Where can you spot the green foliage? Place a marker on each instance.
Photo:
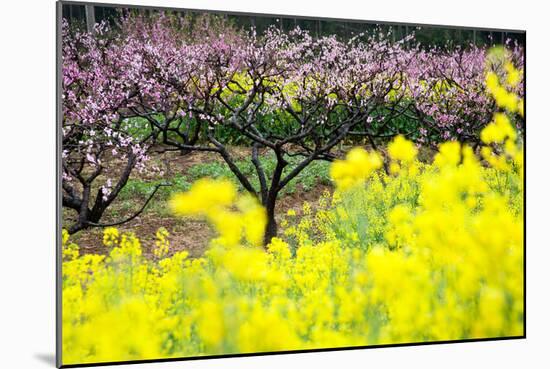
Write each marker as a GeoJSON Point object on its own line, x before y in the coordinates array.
{"type": "Point", "coordinates": [394, 123]}
{"type": "Point", "coordinates": [316, 172]}
{"type": "Point", "coordinates": [138, 189]}
{"type": "Point", "coordinates": [136, 127]}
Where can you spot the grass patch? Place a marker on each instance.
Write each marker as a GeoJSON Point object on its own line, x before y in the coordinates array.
{"type": "Point", "coordinates": [137, 190]}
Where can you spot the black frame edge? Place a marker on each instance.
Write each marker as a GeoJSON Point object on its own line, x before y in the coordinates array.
{"type": "Point", "coordinates": [58, 210]}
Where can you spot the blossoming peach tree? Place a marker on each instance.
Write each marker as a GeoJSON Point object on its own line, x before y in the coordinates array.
{"type": "Point", "coordinates": [97, 90]}
{"type": "Point", "coordinates": [286, 93]}
{"type": "Point", "coordinates": [448, 88]}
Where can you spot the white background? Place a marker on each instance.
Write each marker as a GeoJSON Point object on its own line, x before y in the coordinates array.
{"type": "Point", "coordinates": [27, 182]}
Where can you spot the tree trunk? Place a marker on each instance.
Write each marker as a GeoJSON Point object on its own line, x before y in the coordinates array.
{"type": "Point", "coordinates": [271, 226]}
{"type": "Point", "coordinates": [271, 199]}
{"type": "Point", "coordinates": [76, 227]}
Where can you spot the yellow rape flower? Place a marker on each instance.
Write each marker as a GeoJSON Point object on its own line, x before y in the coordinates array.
{"type": "Point", "coordinates": [233, 216]}
{"type": "Point", "coordinates": [355, 169]}
{"type": "Point", "coordinates": [513, 75]}
{"type": "Point", "coordinates": [254, 218]}
{"type": "Point", "coordinates": [110, 236]}
{"type": "Point", "coordinates": [161, 243]}
{"type": "Point", "coordinates": [204, 196]}
{"type": "Point", "coordinates": [402, 149]}
{"type": "Point", "coordinates": [498, 130]}
{"type": "Point", "coordinates": [449, 154]}
{"type": "Point", "coordinates": [279, 248]}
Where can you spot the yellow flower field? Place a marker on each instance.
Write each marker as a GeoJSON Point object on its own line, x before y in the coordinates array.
{"type": "Point", "coordinates": [434, 252]}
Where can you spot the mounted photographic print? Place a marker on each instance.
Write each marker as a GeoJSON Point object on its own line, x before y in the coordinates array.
{"type": "Point", "coordinates": [239, 184]}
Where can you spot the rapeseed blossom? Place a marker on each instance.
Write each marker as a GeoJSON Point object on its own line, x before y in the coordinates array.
{"type": "Point", "coordinates": [402, 149]}
{"type": "Point", "coordinates": [355, 169]}
{"type": "Point", "coordinates": [205, 197]}
{"type": "Point", "coordinates": [162, 244]}
{"type": "Point", "coordinates": [498, 130]}
{"type": "Point", "coordinates": [234, 215]}
{"type": "Point", "coordinates": [412, 260]}
{"type": "Point", "coordinates": [110, 236]}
